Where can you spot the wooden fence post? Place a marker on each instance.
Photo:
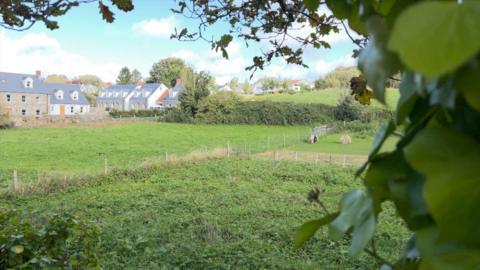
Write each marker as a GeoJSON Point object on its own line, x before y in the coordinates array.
{"type": "Point", "coordinates": [296, 156]}
{"type": "Point", "coordinates": [316, 159]}
{"type": "Point", "coordinates": [284, 141]}
{"type": "Point", "coordinates": [330, 159]}
{"type": "Point", "coordinates": [228, 149]}
{"type": "Point", "coordinates": [166, 155]}
{"type": "Point", "coordinates": [344, 160]}
{"type": "Point", "coordinates": [276, 155]}
{"type": "Point", "coordinates": [268, 143]}
{"type": "Point", "coordinates": [16, 186]}
{"type": "Point", "coordinates": [105, 165]}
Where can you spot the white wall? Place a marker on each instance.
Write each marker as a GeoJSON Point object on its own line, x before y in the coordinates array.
{"type": "Point", "coordinates": [152, 99]}
{"type": "Point", "coordinates": [77, 109]}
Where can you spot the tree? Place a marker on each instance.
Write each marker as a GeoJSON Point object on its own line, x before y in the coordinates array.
{"type": "Point", "coordinates": [136, 76]}
{"type": "Point", "coordinates": [124, 77]}
{"type": "Point", "coordinates": [233, 84]}
{"type": "Point", "coordinates": [90, 79]}
{"type": "Point", "coordinates": [197, 87]}
{"type": "Point", "coordinates": [57, 78]}
{"type": "Point", "coordinates": [22, 15]}
{"type": "Point", "coordinates": [167, 71]}
{"type": "Point", "coordinates": [431, 177]}
{"type": "Point", "coordinates": [247, 88]}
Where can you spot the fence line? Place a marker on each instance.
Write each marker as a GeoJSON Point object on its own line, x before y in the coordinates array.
{"type": "Point", "coordinates": [272, 147]}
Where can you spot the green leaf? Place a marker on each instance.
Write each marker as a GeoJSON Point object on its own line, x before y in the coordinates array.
{"type": "Point", "coordinates": [436, 37]}
{"type": "Point", "coordinates": [466, 259]}
{"type": "Point", "coordinates": [308, 229]}
{"type": "Point", "coordinates": [340, 8]}
{"type": "Point", "coordinates": [450, 162]}
{"type": "Point", "coordinates": [382, 134]}
{"type": "Point", "coordinates": [17, 249]}
{"type": "Point", "coordinates": [356, 212]}
{"type": "Point", "coordinates": [466, 82]}
{"type": "Point", "coordinates": [384, 7]}
{"type": "Point", "coordinates": [311, 5]}
{"type": "Point", "coordinates": [443, 95]}
{"type": "Point", "coordinates": [389, 177]}
{"type": "Point", "coordinates": [349, 207]}
{"type": "Point", "coordinates": [364, 228]}
{"type": "Point", "coordinates": [407, 97]}
{"type": "Point", "coordinates": [355, 22]}
{"type": "Point", "coordinates": [374, 61]}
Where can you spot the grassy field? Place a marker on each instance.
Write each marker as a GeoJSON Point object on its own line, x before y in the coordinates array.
{"type": "Point", "coordinates": [327, 96]}
{"type": "Point", "coordinates": [76, 149]}
{"type": "Point", "coordinates": [214, 214]}
{"type": "Point", "coordinates": [360, 145]}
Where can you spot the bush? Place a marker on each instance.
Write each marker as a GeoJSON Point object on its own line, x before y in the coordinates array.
{"type": "Point", "coordinates": [218, 109]}
{"type": "Point", "coordinates": [62, 243]}
{"type": "Point", "coordinates": [348, 109]}
{"type": "Point", "coordinates": [175, 115]}
{"type": "Point", "coordinates": [140, 113]}
{"type": "Point", "coordinates": [5, 123]}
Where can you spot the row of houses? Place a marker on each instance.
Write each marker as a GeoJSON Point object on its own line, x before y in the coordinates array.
{"type": "Point", "coordinates": [140, 96]}
{"type": "Point", "coordinates": [30, 95]}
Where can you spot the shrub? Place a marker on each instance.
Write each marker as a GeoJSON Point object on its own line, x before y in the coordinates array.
{"type": "Point", "coordinates": [349, 110]}
{"type": "Point", "coordinates": [5, 123]}
{"type": "Point", "coordinates": [62, 243]}
{"type": "Point", "coordinates": [140, 113]}
{"type": "Point", "coordinates": [176, 115]}
{"type": "Point", "coordinates": [218, 109]}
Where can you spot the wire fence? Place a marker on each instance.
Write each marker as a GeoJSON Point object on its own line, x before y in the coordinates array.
{"type": "Point", "coordinates": [274, 148]}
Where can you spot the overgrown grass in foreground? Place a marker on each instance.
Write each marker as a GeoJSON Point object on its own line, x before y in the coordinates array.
{"type": "Point", "coordinates": [215, 214]}
{"type": "Point", "coordinates": [326, 96]}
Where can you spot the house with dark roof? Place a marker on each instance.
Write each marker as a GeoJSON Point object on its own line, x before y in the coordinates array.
{"type": "Point", "coordinates": [66, 99]}
{"type": "Point", "coordinates": [173, 98]}
{"type": "Point", "coordinates": [146, 96]}
{"type": "Point", "coordinates": [29, 95]}
{"type": "Point", "coordinates": [116, 97]}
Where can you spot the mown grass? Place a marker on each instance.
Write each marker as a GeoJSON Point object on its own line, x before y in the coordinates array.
{"type": "Point", "coordinates": [327, 96]}
{"type": "Point", "coordinates": [77, 149]}
{"type": "Point", "coordinates": [215, 214]}
{"type": "Point", "coordinates": [361, 144]}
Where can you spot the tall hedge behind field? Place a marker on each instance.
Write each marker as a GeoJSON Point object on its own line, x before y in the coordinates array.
{"type": "Point", "coordinates": [278, 113]}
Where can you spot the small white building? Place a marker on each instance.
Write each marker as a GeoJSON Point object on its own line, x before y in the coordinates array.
{"type": "Point", "coordinates": [147, 96]}
{"type": "Point", "coordinates": [67, 99]}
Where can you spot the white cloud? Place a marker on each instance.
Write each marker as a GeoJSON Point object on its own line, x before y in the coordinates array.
{"type": "Point", "coordinates": [162, 28]}
{"type": "Point", "coordinates": [213, 62]}
{"type": "Point", "coordinates": [38, 51]}
{"type": "Point", "coordinates": [322, 67]}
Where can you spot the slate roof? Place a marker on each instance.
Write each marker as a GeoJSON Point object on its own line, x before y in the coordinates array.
{"type": "Point", "coordinates": [14, 83]}
{"type": "Point", "coordinates": [67, 89]}
{"type": "Point", "coordinates": [148, 87]}
{"type": "Point", "coordinates": [116, 89]}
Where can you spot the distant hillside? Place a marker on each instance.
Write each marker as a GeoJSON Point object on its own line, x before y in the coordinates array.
{"type": "Point", "coordinates": [327, 96]}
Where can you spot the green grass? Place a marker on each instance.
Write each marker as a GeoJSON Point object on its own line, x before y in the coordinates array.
{"type": "Point", "coordinates": [327, 96]}
{"type": "Point", "coordinates": [215, 214]}
{"type": "Point", "coordinates": [361, 145]}
{"type": "Point", "coordinates": [76, 149]}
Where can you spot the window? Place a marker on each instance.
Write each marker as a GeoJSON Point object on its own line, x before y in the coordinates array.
{"type": "Point", "coordinates": [28, 83]}
{"type": "Point", "coordinates": [52, 108]}
{"type": "Point", "coordinates": [37, 112]}
{"type": "Point", "coordinates": [59, 94]}
{"type": "Point", "coordinates": [24, 99]}
{"type": "Point", "coordinates": [9, 98]}
{"type": "Point", "coordinates": [24, 111]}
{"type": "Point", "coordinates": [71, 109]}
{"type": "Point", "coordinates": [81, 109]}
{"type": "Point", "coordinates": [37, 99]}
{"type": "Point", "coordinates": [75, 95]}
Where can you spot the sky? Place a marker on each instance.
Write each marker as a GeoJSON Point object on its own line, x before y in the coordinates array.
{"type": "Point", "coordinates": [85, 44]}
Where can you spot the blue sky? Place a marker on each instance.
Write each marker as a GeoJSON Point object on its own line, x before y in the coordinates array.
{"type": "Point", "coordinates": [86, 44]}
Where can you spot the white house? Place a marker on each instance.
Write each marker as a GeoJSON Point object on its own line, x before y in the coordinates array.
{"type": "Point", "coordinates": [66, 99]}
{"type": "Point", "coordinates": [147, 96]}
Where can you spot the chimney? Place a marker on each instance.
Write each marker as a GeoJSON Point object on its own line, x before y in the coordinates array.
{"type": "Point", "coordinates": [139, 83]}
{"type": "Point", "coordinates": [178, 82]}
{"type": "Point", "coordinates": [38, 73]}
